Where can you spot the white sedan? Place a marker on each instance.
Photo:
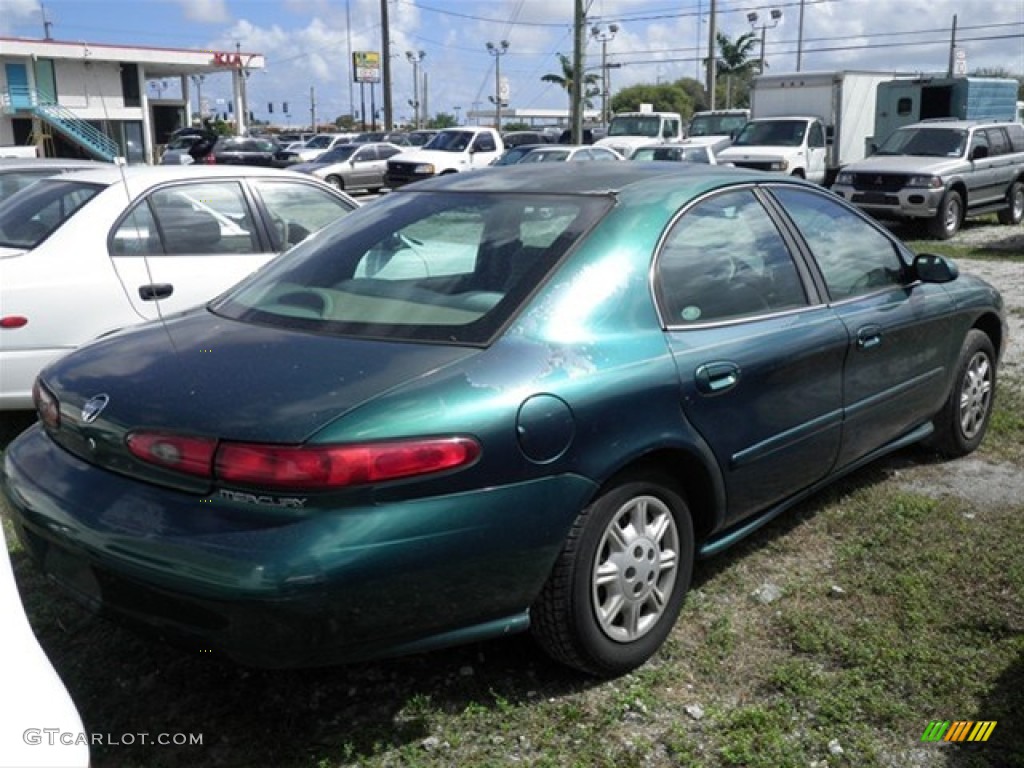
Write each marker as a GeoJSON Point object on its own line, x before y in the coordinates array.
{"type": "Point", "coordinates": [90, 252]}
{"type": "Point", "coordinates": [569, 154]}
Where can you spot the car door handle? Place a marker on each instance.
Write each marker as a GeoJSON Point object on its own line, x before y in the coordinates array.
{"type": "Point", "coordinates": [155, 291]}
{"type": "Point", "coordinates": [715, 378]}
{"type": "Point", "coordinates": [869, 336]}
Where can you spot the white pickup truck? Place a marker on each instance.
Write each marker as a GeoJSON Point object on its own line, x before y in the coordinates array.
{"type": "Point", "coordinates": [791, 145]}
{"type": "Point", "coordinates": [452, 150]}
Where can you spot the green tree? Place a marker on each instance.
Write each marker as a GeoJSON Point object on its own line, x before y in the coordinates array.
{"type": "Point", "coordinates": [441, 120]}
{"type": "Point", "coordinates": [345, 123]}
{"type": "Point", "coordinates": [665, 97]}
{"type": "Point", "coordinates": [567, 80]}
{"type": "Point", "coordinates": [735, 69]}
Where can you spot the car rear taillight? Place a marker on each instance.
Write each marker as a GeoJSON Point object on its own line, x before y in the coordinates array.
{"type": "Point", "coordinates": [321, 467]}
{"type": "Point", "coordinates": [308, 467]}
{"type": "Point", "coordinates": [191, 455]}
{"type": "Point", "coordinates": [13, 321]}
{"type": "Point", "coordinates": [210, 160]}
{"type": "Point", "coordinates": [47, 405]}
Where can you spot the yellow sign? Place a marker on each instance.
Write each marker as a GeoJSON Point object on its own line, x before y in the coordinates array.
{"type": "Point", "coordinates": [366, 66]}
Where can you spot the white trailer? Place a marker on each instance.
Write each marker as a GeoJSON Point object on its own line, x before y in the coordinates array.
{"type": "Point", "coordinates": [844, 101]}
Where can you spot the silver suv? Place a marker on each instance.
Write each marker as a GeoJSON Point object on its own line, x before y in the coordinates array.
{"type": "Point", "coordinates": [942, 171]}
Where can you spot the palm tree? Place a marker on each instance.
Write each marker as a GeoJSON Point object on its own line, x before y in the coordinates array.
{"type": "Point", "coordinates": [567, 80]}
{"type": "Point", "coordinates": [734, 59]}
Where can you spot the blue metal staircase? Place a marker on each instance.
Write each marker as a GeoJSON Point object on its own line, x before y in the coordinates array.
{"type": "Point", "coordinates": [26, 99]}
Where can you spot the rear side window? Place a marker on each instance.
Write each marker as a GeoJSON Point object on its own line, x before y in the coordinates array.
{"type": "Point", "coordinates": [419, 266]}
{"type": "Point", "coordinates": [1016, 134]}
{"type": "Point", "coordinates": [724, 260]}
{"type": "Point", "coordinates": [188, 219]}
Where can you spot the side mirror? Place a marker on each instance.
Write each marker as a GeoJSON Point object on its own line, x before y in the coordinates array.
{"type": "Point", "coordinates": [930, 268]}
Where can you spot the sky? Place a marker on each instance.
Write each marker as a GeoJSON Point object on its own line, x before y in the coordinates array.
{"type": "Point", "coordinates": [307, 43]}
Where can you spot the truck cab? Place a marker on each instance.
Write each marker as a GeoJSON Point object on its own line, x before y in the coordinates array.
{"type": "Point", "coordinates": [629, 130]}
{"type": "Point", "coordinates": [452, 150]}
{"type": "Point", "coordinates": [792, 145]}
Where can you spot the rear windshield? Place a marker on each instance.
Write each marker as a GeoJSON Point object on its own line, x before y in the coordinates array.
{"type": "Point", "coordinates": [424, 266]}
{"type": "Point", "coordinates": [35, 213]}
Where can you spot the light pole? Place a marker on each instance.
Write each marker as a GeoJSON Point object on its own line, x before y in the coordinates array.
{"type": "Point", "coordinates": [197, 81]}
{"type": "Point", "coordinates": [457, 110]}
{"type": "Point", "coordinates": [605, 35]}
{"type": "Point", "coordinates": [497, 51]}
{"type": "Point", "coordinates": [776, 17]}
{"type": "Point", "coordinates": [415, 59]}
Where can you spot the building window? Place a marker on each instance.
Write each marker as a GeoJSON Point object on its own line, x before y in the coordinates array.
{"type": "Point", "coordinates": [130, 85]}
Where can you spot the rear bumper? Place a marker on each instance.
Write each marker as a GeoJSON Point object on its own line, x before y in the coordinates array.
{"type": "Point", "coordinates": [273, 588]}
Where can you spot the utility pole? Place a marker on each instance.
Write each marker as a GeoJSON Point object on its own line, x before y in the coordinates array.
{"type": "Point", "coordinates": [385, 47]}
{"type": "Point", "coordinates": [497, 51]}
{"type": "Point", "coordinates": [800, 37]}
{"type": "Point", "coordinates": [952, 48]}
{"type": "Point", "coordinates": [312, 108]}
{"type": "Point", "coordinates": [712, 56]}
{"type": "Point", "coordinates": [576, 105]}
{"type": "Point", "coordinates": [415, 58]}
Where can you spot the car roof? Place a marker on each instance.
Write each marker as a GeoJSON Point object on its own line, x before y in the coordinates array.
{"type": "Point", "coordinates": [956, 124]}
{"type": "Point", "coordinates": [27, 163]}
{"type": "Point", "coordinates": [589, 178]}
{"type": "Point", "coordinates": [142, 176]}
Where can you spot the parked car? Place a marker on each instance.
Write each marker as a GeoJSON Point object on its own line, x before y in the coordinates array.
{"type": "Point", "coordinates": [421, 136]}
{"type": "Point", "coordinates": [942, 172]}
{"type": "Point", "coordinates": [18, 173]}
{"type": "Point", "coordinates": [515, 138]}
{"type": "Point", "coordinates": [313, 148]}
{"type": "Point", "coordinates": [513, 155]}
{"type": "Point", "coordinates": [240, 150]}
{"type": "Point", "coordinates": [452, 150]}
{"type": "Point", "coordinates": [192, 145]}
{"type": "Point", "coordinates": [74, 248]}
{"type": "Point", "coordinates": [352, 166]}
{"type": "Point", "coordinates": [515, 398]}
{"type": "Point", "coordinates": [39, 723]}
{"type": "Point", "coordinates": [569, 154]}
{"type": "Point", "coordinates": [694, 150]}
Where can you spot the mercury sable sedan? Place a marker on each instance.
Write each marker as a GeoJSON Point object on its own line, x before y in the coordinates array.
{"type": "Point", "coordinates": [523, 398]}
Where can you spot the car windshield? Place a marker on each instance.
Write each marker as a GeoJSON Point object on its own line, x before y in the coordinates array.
{"type": "Point", "coordinates": [184, 142]}
{"type": "Point", "coordinates": [716, 125]}
{"type": "Point", "coordinates": [450, 141]}
{"type": "Point", "coordinates": [319, 142]}
{"type": "Point", "coordinates": [28, 218]}
{"type": "Point", "coordinates": [773, 133]}
{"type": "Point", "coordinates": [435, 266]}
{"type": "Point", "coordinates": [546, 156]}
{"type": "Point", "coordinates": [338, 154]}
{"type": "Point", "coordinates": [635, 125]}
{"type": "Point", "coordinates": [925, 142]}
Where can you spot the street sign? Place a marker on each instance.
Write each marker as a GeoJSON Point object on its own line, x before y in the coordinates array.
{"type": "Point", "coordinates": [366, 66]}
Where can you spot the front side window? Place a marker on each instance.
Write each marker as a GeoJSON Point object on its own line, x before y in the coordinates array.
{"type": "Point", "coordinates": [298, 210]}
{"type": "Point", "coordinates": [418, 266]}
{"type": "Point", "coordinates": [855, 258]}
{"type": "Point", "coordinates": [34, 214]}
{"type": "Point", "coordinates": [724, 259]}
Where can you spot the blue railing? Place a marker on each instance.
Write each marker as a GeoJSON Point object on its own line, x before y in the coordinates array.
{"type": "Point", "coordinates": [21, 98]}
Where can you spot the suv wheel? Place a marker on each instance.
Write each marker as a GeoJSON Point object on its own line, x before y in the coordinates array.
{"type": "Point", "coordinates": [1014, 211]}
{"type": "Point", "coordinates": [950, 214]}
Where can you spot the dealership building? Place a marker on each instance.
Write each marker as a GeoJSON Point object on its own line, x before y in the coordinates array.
{"type": "Point", "coordinates": [106, 101]}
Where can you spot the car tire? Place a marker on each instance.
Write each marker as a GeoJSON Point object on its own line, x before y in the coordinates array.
{"type": "Point", "coordinates": [336, 181]}
{"type": "Point", "coordinates": [1014, 211]}
{"type": "Point", "coordinates": [961, 424]}
{"type": "Point", "coordinates": [948, 218]}
{"type": "Point", "coordinates": [618, 585]}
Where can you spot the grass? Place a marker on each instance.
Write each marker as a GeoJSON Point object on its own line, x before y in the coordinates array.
{"type": "Point", "coordinates": [898, 606]}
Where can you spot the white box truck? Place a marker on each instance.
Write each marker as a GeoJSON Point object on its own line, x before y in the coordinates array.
{"type": "Point", "coordinates": [844, 104]}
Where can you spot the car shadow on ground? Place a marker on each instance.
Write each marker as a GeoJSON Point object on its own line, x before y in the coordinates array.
{"type": "Point", "coordinates": [125, 684]}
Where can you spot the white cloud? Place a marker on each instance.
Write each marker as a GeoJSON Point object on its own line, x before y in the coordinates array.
{"type": "Point", "coordinates": [19, 12]}
{"type": "Point", "coordinates": [205, 11]}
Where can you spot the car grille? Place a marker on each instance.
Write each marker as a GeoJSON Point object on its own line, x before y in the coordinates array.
{"type": "Point", "coordinates": [403, 173]}
{"type": "Point", "coordinates": [753, 165]}
{"type": "Point", "coordinates": [878, 182]}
